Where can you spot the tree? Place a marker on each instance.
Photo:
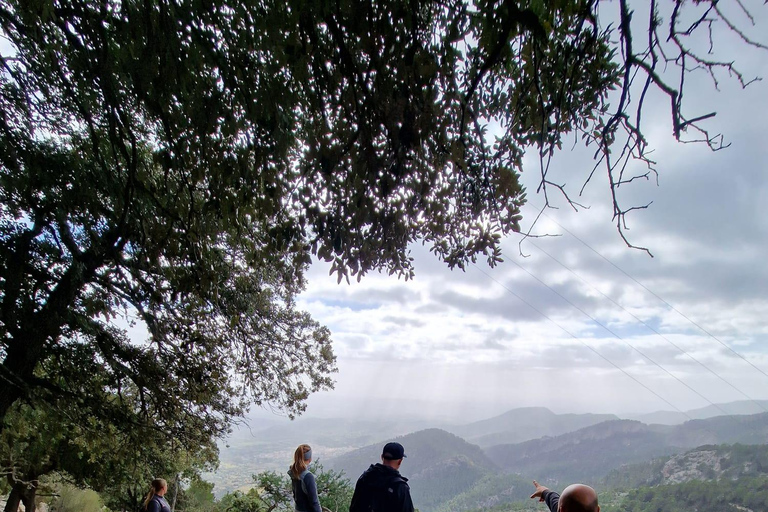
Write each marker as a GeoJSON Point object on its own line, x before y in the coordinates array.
{"type": "Point", "coordinates": [198, 497]}
{"type": "Point", "coordinates": [118, 459]}
{"type": "Point", "coordinates": [72, 499]}
{"type": "Point", "coordinates": [183, 161]}
{"type": "Point", "coordinates": [242, 502]}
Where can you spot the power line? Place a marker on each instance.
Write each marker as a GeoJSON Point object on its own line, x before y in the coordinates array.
{"type": "Point", "coordinates": [654, 330]}
{"type": "Point", "coordinates": [581, 341]}
{"type": "Point", "coordinates": [670, 306]}
{"type": "Point", "coordinates": [619, 337]}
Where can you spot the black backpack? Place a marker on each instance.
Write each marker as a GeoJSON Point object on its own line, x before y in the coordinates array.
{"type": "Point", "coordinates": [384, 498]}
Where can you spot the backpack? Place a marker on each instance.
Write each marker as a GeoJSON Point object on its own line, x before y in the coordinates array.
{"type": "Point", "coordinates": [383, 499]}
{"type": "Point", "coordinates": [301, 479]}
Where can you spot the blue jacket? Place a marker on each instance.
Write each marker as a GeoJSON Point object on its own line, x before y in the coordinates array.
{"type": "Point", "coordinates": [305, 492]}
{"type": "Point", "coordinates": [158, 504]}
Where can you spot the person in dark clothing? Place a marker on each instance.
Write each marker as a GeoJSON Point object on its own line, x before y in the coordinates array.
{"type": "Point", "coordinates": [381, 488]}
{"type": "Point", "coordinates": [303, 481]}
{"type": "Point", "coordinates": [575, 498]}
{"type": "Point", "coordinates": [155, 500]}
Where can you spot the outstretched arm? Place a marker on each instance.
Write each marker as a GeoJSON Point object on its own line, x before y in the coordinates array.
{"type": "Point", "coordinates": [551, 498]}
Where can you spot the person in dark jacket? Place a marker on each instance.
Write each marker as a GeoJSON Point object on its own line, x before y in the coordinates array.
{"type": "Point", "coordinates": [155, 500]}
{"type": "Point", "coordinates": [303, 481]}
{"type": "Point", "coordinates": [381, 488]}
{"type": "Point", "coordinates": [575, 498]}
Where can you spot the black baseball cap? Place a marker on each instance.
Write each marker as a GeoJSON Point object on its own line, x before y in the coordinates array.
{"type": "Point", "coordinates": [393, 451]}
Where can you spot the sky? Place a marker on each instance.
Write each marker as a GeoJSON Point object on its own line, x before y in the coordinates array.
{"type": "Point", "coordinates": [579, 322]}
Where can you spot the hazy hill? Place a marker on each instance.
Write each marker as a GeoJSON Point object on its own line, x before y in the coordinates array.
{"type": "Point", "coordinates": [439, 465]}
{"type": "Point", "coordinates": [585, 455]}
{"type": "Point", "coordinates": [745, 429]}
{"type": "Point", "coordinates": [523, 424]}
{"type": "Point", "coordinates": [336, 432]}
{"type": "Point", "coordinates": [744, 407]}
{"type": "Point", "coordinates": [590, 453]}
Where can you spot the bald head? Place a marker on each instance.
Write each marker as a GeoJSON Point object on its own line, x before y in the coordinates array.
{"type": "Point", "coordinates": [578, 498]}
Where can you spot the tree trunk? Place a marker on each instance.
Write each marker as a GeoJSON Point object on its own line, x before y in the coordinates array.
{"type": "Point", "coordinates": [28, 499]}
{"type": "Point", "coordinates": [175, 493]}
{"type": "Point", "coordinates": [12, 505]}
{"type": "Point", "coordinates": [24, 494]}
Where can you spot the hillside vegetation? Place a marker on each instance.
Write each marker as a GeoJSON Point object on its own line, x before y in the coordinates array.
{"type": "Point", "coordinates": [589, 454]}
{"type": "Point", "coordinates": [721, 462]}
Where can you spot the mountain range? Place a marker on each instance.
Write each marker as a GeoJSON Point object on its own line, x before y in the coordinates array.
{"type": "Point", "coordinates": [590, 453]}
{"type": "Point", "coordinates": [482, 463]}
{"type": "Point", "coordinates": [523, 424]}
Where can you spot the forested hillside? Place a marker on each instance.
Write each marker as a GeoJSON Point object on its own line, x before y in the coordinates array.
{"type": "Point", "coordinates": [585, 455]}
{"type": "Point", "coordinates": [720, 462]}
{"type": "Point", "coordinates": [723, 478]}
{"type": "Point", "coordinates": [591, 453]}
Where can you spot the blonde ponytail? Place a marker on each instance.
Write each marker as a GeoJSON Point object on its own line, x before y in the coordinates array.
{"type": "Point", "coordinates": [301, 458]}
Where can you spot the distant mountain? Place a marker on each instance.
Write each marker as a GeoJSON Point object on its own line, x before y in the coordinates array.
{"type": "Point", "coordinates": [744, 407]}
{"type": "Point", "coordinates": [438, 464]}
{"type": "Point", "coordinates": [590, 453]}
{"type": "Point", "coordinates": [743, 429]}
{"type": "Point", "coordinates": [584, 455]}
{"type": "Point", "coordinates": [523, 424]}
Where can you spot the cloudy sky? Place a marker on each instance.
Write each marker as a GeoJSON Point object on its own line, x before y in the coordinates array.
{"type": "Point", "coordinates": [582, 323]}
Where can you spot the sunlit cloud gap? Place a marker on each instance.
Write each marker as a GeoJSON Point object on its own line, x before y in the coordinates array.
{"type": "Point", "coordinates": [609, 361]}
{"type": "Point", "coordinates": [670, 306]}
{"type": "Point", "coordinates": [651, 328]}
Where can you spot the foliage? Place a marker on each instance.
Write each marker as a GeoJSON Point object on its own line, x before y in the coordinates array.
{"type": "Point", "coordinates": [118, 460]}
{"type": "Point", "coordinates": [718, 462]}
{"type": "Point", "coordinates": [72, 499]}
{"type": "Point", "coordinates": [198, 497]}
{"type": "Point", "coordinates": [749, 493]}
{"type": "Point", "coordinates": [272, 492]}
{"type": "Point", "coordinates": [242, 502]}
{"type": "Point", "coordinates": [490, 491]}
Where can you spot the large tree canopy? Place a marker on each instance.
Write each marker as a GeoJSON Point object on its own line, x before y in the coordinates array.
{"type": "Point", "coordinates": [183, 160]}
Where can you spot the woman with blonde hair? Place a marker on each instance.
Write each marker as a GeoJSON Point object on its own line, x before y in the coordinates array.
{"type": "Point", "coordinates": [303, 481]}
{"type": "Point", "coordinates": [155, 502]}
